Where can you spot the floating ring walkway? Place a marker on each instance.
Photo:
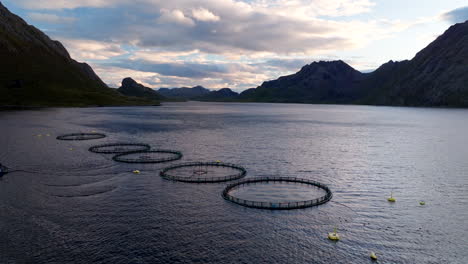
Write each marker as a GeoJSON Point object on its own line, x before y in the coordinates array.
{"type": "Point", "coordinates": [118, 148]}
{"type": "Point", "coordinates": [278, 205]}
{"type": "Point", "coordinates": [81, 136]}
{"type": "Point", "coordinates": [200, 172]}
{"type": "Point", "coordinates": [145, 158]}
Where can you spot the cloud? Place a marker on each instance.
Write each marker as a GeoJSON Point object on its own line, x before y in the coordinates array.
{"type": "Point", "coordinates": [189, 70]}
{"type": "Point", "coordinates": [114, 75]}
{"type": "Point", "coordinates": [456, 16]}
{"type": "Point", "coordinates": [203, 14]}
{"type": "Point", "coordinates": [215, 43]}
{"type": "Point", "coordinates": [175, 16]}
{"type": "Point", "coordinates": [160, 56]}
{"type": "Point", "coordinates": [82, 49]}
{"type": "Point", "coordinates": [242, 27]}
{"type": "Point", "coordinates": [50, 18]}
{"type": "Point", "coordinates": [307, 8]}
{"type": "Point", "coordinates": [64, 4]}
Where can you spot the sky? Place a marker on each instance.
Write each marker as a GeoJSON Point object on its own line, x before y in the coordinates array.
{"type": "Point", "coordinates": [235, 43]}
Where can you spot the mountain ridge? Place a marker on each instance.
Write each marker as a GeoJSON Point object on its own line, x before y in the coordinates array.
{"type": "Point", "coordinates": [436, 76]}
{"type": "Point", "coordinates": [38, 71]}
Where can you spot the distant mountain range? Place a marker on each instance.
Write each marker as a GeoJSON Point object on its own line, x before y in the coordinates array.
{"type": "Point", "coordinates": [184, 92]}
{"type": "Point", "coordinates": [436, 76]}
{"type": "Point", "coordinates": [199, 93]}
{"type": "Point", "coordinates": [37, 71]}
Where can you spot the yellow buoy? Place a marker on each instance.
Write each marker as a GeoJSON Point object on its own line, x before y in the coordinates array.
{"type": "Point", "coordinates": [218, 161]}
{"type": "Point", "coordinates": [373, 256]}
{"type": "Point", "coordinates": [422, 202]}
{"type": "Point", "coordinates": [39, 135]}
{"type": "Point", "coordinates": [71, 148]}
{"type": "Point", "coordinates": [391, 198]}
{"type": "Point", "coordinates": [334, 236]}
{"type": "Point", "coordinates": [48, 135]}
{"type": "Point", "coordinates": [136, 171]}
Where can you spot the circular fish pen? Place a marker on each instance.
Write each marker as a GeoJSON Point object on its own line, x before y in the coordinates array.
{"type": "Point", "coordinates": [118, 148]}
{"type": "Point", "coordinates": [81, 136]}
{"type": "Point", "coordinates": [203, 172]}
{"type": "Point", "coordinates": [150, 156]}
{"type": "Point", "coordinates": [252, 202]}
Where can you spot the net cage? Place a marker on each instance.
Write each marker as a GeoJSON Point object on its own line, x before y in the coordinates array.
{"type": "Point", "coordinates": [149, 156]}
{"type": "Point", "coordinates": [119, 148]}
{"type": "Point", "coordinates": [81, 136]}
{"type": "Point", "coordinates": [203, 172]}
{"type": "Point", "coordinates": [277, 205]}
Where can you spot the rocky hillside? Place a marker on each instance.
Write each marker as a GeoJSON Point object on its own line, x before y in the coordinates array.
{"type": "Point", "coordinates": [436, 76]}
{"type": "Point", "coordinates": [131, 88]}
{"type": "Point", "coordinates": [185, 93]}
{"type": "Point", "coordinates": [333, 81]}
{"type": "Point", "coordinates": [38, 71]}
{"type": "Point", "coordinates": [224, 94]}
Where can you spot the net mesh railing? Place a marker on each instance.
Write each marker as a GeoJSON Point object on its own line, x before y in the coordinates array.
{"type": "Point", "coordinates": [166, 172]}
{"type": "Point", "coordinates": [143, 158]}
{"type": "Point", "coordinates": [278, 205]}
{"type": "Point", "coordinates": [118, 148]}
{"type": "Point", "coordinates": [81, 136]}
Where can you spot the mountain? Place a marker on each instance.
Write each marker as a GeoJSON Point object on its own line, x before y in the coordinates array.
{"type": "Point", "coordinates": [184, 92]}
{"type": "Point", "coordinates": [131, 88]}
{"type": "Point", "coordinates": [38, 71]}
{"type": "Point", "coordinates": [436, 76]}
{"type": "Point", "coordinates": [224, 94]}
{"type": "Point", "coordinates": [322, 81]}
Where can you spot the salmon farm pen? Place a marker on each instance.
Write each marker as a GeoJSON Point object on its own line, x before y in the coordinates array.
{"type": "Point", "coordinates": [203, 172]}
{"type": "Point", "coordinates": [161, 155]}
{"type": "Point", "coordinates": [277, 205]}
{"type": "Point", "coordinates": [117, 148]}
{"type": "Point", "coordinates": [81, 136]}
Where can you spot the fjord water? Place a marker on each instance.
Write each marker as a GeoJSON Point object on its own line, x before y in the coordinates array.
{"type": "Point", "coordinates": [68, 205]}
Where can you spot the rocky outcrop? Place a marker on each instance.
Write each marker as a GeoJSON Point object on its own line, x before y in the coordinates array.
{"type": "Point", "coordinates": [131, 88]}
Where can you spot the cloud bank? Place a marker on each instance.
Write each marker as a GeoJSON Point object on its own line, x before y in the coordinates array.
{"type": "Point", "coordinates": [217, 43]}
{"type": "Point", "coordinates": [458, 15]}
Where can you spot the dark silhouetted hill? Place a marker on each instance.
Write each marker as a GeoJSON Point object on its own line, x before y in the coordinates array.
{"type": "Point", "coordinates": [224, 94]}
{"type": "Point", "coordinates": [436, 76]}
{"type": "Point", "coordinates": [37, 71]}
{"type": "Point", "coordinates": [131, 88]}
{"type": "Point", "coordinates": [185, 93]}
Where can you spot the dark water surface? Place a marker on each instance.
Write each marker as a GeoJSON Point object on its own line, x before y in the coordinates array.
{"type": "Point", "coordinates": [68, 205]}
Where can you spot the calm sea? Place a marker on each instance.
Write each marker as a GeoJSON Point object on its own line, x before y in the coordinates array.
{"type": "Point", "coordinates": [67, 205]}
